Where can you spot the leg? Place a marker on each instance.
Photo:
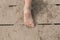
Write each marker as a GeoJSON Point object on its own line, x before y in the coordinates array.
{"type": "Point", "coordinates": [28, 20]}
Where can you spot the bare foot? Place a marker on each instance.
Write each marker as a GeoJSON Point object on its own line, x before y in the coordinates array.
{"type": "Point", "coordinates": [28, 20]}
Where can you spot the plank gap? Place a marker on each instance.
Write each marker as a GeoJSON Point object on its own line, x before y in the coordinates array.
{"type": "Point", "coordinates": [12, 5]}
{"type": "Point", "coordinates": [57, 4]}
{"type": "Point", "coordinates": [6, 24]}
{"type": "Point", "coordinates": [49, 24]}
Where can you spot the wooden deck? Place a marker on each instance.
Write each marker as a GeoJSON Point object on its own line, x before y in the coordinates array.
{"type": "Point", "coordinates": [46, 14]}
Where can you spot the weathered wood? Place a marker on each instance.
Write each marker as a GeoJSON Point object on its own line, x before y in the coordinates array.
{"type": "Point", "coordinates": [44, 12]}
{"type": "Point", "coordinates": [10, 11]}
{"type": "Point", "coordinates": [52, 1]}
{"type": "Point", "coordinates": [19, 32]}
{"type": "Point", "coordinates": [50, 32]}
{"type": "Point", "coordinates": [53, 14]}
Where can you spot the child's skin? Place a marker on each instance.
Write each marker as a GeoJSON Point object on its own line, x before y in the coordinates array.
{"type": "Point", "coordinates": [28, 20]}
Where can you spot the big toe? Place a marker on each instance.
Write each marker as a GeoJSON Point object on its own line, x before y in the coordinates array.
{"type": "Point", "coordinates": [31, 24]}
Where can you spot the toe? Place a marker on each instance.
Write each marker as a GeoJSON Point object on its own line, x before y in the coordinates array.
{"type": "Point", "coordinates": [31, 24]}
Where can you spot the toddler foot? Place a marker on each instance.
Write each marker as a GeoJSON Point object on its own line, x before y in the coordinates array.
{"type": "Point", "coordinates": [28, 20]}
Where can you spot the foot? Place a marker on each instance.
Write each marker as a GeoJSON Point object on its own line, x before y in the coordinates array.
{"type": "Point", "coordinates": [28, 20]}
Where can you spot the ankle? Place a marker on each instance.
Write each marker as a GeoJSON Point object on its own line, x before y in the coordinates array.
{"type": "Point", "coordinates": [27, 11]}
{"type": "Point", "coordinates": [27, 8]}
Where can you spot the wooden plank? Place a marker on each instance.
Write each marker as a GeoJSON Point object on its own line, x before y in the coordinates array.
{"type": "Point", "coordinates": [51, 32]}
{"type": "Point", "coordinates": [19, 32]}
{"type": "Point", "coordinates": [53, 14]}
{"type": "Point", "coordinates": [10, 11]}
{"type": "Point", "coordinates": [49, 13]}
{"type": "Point", "coordinates": [52, 1]}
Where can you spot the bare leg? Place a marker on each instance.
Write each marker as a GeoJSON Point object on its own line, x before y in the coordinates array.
{"type": "Point", "coordinates": [28, 20]}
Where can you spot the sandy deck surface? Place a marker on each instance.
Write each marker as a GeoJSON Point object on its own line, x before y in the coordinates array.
{"type": "Point", "coordinates": [44, 12]}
